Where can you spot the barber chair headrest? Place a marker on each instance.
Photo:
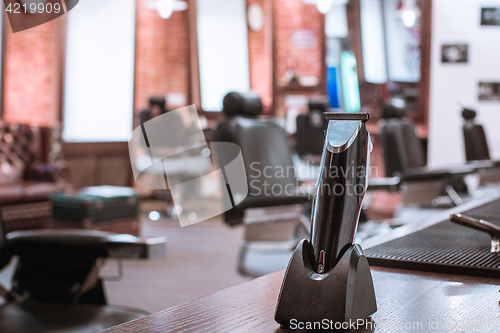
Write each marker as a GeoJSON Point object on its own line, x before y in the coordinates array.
{"type": "Point", "coordinates": [320, 104]}
{"type": "Point", "coordinates": [246, 104]}
{"type": "Point", "coordinates": [390, 111]}
{"type": "Point", "coordinates": [157, 100]}
{"type": "Point", "coordinates": [468, 114]}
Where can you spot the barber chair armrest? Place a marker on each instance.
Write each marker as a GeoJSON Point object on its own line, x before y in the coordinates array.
{"type": "Point", "coordinates": [484, 164]}
{"type": "Point", "coordinates": [73, 243]}
{"type": "Point", "coordinates": [128, 246]}
{"type": "Point", "coordinates": [289, 196]}
{"type": "Point", "coordinates": [390, 184]}
{"type": "Point", "coordinates": [429, 174]}
{"type": "Point", "coordinates": [293, 196]}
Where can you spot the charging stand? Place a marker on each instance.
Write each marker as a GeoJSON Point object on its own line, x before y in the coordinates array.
{"type": "Point", "coordinates": [343, 294]}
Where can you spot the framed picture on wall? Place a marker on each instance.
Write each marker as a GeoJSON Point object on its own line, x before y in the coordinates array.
{"type": "Point", "coordinates": [489, 91]}
{"type": "Point", "coordinates": [455, 53]}
{"type": "Point", "coordinates": [490, 16]}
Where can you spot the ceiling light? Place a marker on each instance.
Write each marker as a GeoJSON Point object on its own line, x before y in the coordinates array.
{"type": "Point", "coordinates": [408, 12]}
{"type": "Point", "coordinates": [324, 6]}
{"type": "Point", "coordinates": [409, 18]}
{"type": "Point", "coordinates": [165, 8]}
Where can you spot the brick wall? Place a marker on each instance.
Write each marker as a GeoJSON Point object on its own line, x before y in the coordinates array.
{"type": "Point", "coordinates": [260, 48]}
{"type": "Point", "coordinates": [33, 63]}
{"type": "Point", "coordinates": [291, 16]}
{"type": "Point", "coordinates": [32, 74]}
{"type": "Point", "coordinates": [33, 59]}
{"type": "Point", "coordinates": [162, 55]}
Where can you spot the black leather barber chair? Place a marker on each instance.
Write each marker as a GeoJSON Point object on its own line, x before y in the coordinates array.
{"type": "Point", "coordinates": [310, 138]}
{"type": "Point", "coordinates": [311, 127]}
{"type": "Point", "coordinates": [476, 146]}
{"type": "Point", "coordinates": [56, 286]}
{"type": "Point", "coordinates": [476, 149]}
{"type": "Point", "coordinates": [266, 154]}
{"type": "Point", "coordinates": [157, 106]}
{"type": "Point", "coordinates": [404, 157]}
{"type": "Point", "coordinates": [272, 212]}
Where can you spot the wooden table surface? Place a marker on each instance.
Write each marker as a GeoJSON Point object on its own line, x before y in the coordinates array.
{"type": "Point", "coordinates": [407, 301]}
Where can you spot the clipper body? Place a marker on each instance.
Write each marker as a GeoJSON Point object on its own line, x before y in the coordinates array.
{"type": "Point", "coordinates": [329, 277]}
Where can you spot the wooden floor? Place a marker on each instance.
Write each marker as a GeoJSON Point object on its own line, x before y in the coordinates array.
{"type": "Point", "coordinates": [201, 260]}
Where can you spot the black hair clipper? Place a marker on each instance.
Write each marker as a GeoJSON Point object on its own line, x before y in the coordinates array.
{"type": "Point", "coordinates": [328, 277]}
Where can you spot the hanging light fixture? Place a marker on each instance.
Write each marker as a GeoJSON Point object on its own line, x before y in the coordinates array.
{"type": "Point", "coordinates": [408, 12]}
{"type": "Point", "coordinates": [324, 6]}
{"type": "Point", "coordinates": [165, 8]}
{"type": "Point", "coordinates": [409, 18]}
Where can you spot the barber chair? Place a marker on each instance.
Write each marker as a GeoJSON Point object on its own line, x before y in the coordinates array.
{"type": "Point", "coordinates": [157, 106]}
{"type": "Point", "coordinates": [272, 212]}
{"type": "Point", "coordinates": [310, 137]}
{"type": "Point", "coordinates": [56, 286]}
{"type": "Point", "coordinates": [476, 146]}
{"type": "Point", "coordinates": [476, 149]}
{"type": "Point", "coordinates": [311, 127]}
{"type": "Point", "coordinates": [404, 158]}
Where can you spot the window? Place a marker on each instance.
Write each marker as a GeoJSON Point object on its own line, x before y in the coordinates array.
{"type": "Point", "coordinates": [373, 41]}
{"type": "Point", "coordinates": [99, 74]}
{"type": "Point", "coordinates": [222, 50]}
{"type": "Point", "coordinates": [403, 46]}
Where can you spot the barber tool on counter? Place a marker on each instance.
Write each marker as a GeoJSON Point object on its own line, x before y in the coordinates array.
{"type": "Point", "coordinates": [481, 225]}
{"type": "Point", "coordinates": [328, 277]}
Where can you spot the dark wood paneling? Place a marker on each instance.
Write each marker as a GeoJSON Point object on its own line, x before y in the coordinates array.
{"type": "Point", "coordinates": [425, 60]}
{"type": "Point", "coordinates": [60, 51]}
{"type": "Point", "coordinates": [194, 70]}
{"type": "Point", "coordinates": [82, 171]}
{"type": "Point", "coordinates": [5, 26]}
{"type": "Point", "coordinates": [355, 43]}
{"type": "Point", "coordinates": [98, 163]}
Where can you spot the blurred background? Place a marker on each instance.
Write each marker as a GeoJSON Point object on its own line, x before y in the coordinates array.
{"type": "Point", "coordinates": [73, 89]}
